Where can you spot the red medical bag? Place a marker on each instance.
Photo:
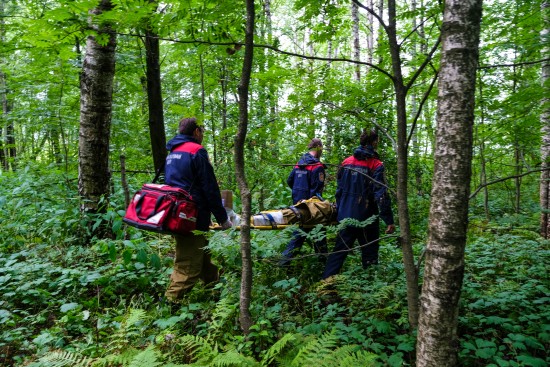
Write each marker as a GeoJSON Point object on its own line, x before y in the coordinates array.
{"type": "Point", "coordinates": [163, 209]}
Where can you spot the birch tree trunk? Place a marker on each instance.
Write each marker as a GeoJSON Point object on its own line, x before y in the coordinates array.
{"type": "Point", "coordinates": [437, 343]}
{"type": "Point", "coordinates": [96, 88]}
{"type": "Point", "coordinates": [157, 132]}
{"type": "Point", "coordinates": [370, 34]}
{"type": "Point", "coordinates": [545, 124]}
{"type": "Point", "coordinates": [245, 317]}
{"type": "Point", "coordinates": [356, 41]}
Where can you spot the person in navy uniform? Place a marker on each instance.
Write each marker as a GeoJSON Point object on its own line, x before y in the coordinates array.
{"type": "Point", "coordinates": [360, 194]}
{"type": "Point", "coordinates": [188, 167]}
{"type": "Point", "coordinates": [307, 180]}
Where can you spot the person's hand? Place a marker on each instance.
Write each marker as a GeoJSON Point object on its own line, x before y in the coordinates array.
{"type": "Point", "coordinates": [390, 229]}
{"type": "Point", "coordinates": [227, 224]}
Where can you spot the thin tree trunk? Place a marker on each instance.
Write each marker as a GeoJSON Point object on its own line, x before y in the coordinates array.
{"type": "Point", "coordinates": [157, 132]}
{"type": "Point", "coordinates": [370, 34]}
{"type": "Point", "coordinates": [96, 88]}
{"type": "Point", "coordinates": [60, 127]}
{"type": "Point", "coordinates": [356, 43]}
{"type": "Point", "coordinates": [437, 341]}
{"type": "Point", "coordinates": [402, 169]}
{"type": "Point", "coordinates": [5, 110]}
{"type": "Point", "coordinates": [224, 111]}
{"type": "Point", "coordinates": [545, 124]}
{"type": "Point", "coordinates": [483, 171]}
{"type": "Point", "coordinates": [245, 317]}
{"type": "Point", "coordinates": [414, 110]}
{"type": "Point", "coordinates": [3, 94]}
{"type": "Point", "coordinates": [517, 180]}
{"type": "Point", "coordinates": [8, 151]}
{"type": "Point", "coordinates": [10, 143]}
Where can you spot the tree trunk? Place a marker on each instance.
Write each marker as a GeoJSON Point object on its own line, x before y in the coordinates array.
{"type": "Point", "coordinates": [5, 110]}
{"type": "Point", "coordinates": [483, 161]}
{"type": "Point", "coordinates": [356, 43]}
{"type": "Point", "coordinates": [545, 124]}
{"type": "Point", "coordinates": [402, 169]}
{"type": "Point", "coordinates": [517, 179]}
{"type": "Point", "coordinates": [8, 151]}
{"type": "Point", "coordinates": [245, 317]}
{"type": "Point", "coordinates": [157, 132]}
{"type": "Point", "coordinates": [370, 34]}
{"type": "Point", "coordinates": [437, 343]}
{"type": "Point", "coordinates": [96, 88]}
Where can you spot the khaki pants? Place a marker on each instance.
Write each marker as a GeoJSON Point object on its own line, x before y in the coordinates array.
{"type": "Point", "coordinates": [192, 263]}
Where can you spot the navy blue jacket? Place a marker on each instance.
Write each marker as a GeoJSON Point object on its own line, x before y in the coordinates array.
{"type": "Point", "coordinates": [357, 196]}
{"type": "Point", "coordinates": [188, 167]}
{"type": "Point", "coordinates": [307, 178]}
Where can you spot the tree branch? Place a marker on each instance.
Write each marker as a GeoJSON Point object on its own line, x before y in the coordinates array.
{"type": "Point", "coordinates": [417, 116]}
{"type": "Point", "coordinates": [504, 179]}
{"type": "Point", "coordinates": [269, 47]}
{"type": "Point", "coordinates": [371, 12]}
{"type": "Point", "coordinates": [514, 64]}
{"type": "Point", "coordinates": [424, 64]}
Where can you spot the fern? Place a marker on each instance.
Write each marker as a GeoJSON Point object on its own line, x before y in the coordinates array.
{"type": "Point", "coordinates": [198, 348]}
{"type": "Point", "coordinates": [136, 317]}
{"type": "Point", "coordinates": [147, 358]}
{"type": "Point", "coordinates": [233, 358]}
{"type": "Point", "coordinates": [122, 359]}
{"type": "Point", "coordinates": [315, 350]}
{"type": "Point", "coordinates": [127, 329]}
{"type": "Point", "coordinates": [360, 358]}
{"type": "Point", "coordinates": [276, 349]}
{"type": "Point", "coordinates": [345, 356]}
{"type": "Point", "coordinates": [224, 313]}
{"type": "Point", "coordinates": [61, 359]}
{"type": "Point", "coordinates": [322, 352]}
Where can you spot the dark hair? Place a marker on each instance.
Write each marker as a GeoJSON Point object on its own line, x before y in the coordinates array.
{"type": "Point", "coordinates": [187, 125]}
{"type": "Point", "coordinates": [315, 143]}
{"type": "Point", "coordinates": [368, 137]}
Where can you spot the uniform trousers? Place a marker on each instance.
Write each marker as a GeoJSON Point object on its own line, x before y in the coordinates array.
{"type": "Point", "coordinates": [296, 244]}
{"type": "Point", "coordinates": [191, 264]}
{"type": "Point", "coordinates": [368, 240]}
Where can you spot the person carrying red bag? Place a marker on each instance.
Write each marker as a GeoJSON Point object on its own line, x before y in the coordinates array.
{"type": "Point", "coordinates": [188, 167]}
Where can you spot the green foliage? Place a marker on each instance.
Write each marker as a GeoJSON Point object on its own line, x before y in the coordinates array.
{"type": "Point", "coordinates": [62, 359]}
{"type": "Point", "coordinates": [70, 299]}
{"type": "Point", "coordinates": [505, 301]}
{"type": "Point", "coordinates": [96, 302]}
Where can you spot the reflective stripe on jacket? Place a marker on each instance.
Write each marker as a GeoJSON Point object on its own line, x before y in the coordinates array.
{"type": "Point", "coordinates": [357, 195]}
{"type": "Point", "coordinates": [307, 178]}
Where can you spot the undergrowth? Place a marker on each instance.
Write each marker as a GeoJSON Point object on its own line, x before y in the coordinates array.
{"type": "Point", "coordinates": [68, 300]}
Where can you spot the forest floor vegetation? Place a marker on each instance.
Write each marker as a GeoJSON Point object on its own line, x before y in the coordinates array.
{"type": "Point", "coordinates": [70, 300]}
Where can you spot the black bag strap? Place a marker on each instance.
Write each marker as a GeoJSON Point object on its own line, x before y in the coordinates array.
{"type": "Point", "coordinates": [271, 220]}
{"type": "Point", "coordinates": [297, 213]}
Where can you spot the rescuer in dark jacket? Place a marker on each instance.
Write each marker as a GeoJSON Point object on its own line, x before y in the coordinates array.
{"type": "Point", "coordinates": [188, 167]}
{"type": "Point", "coordinates": [307, 180]}
{"type": "Point", "coordinates": [361, 193]}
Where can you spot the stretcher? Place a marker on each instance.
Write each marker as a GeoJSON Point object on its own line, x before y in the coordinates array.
{"type": "Point", "coordinates": [306, 214]}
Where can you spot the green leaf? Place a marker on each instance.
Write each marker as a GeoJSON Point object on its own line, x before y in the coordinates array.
{"type": "Point", "coordinates": [112, 251]}
{"type": "Point", "coordinates": [396, 360]}
{"type": "Point", "coordinates": [532, 361]}
{"type": "Point", "coordinates": [68, 307]}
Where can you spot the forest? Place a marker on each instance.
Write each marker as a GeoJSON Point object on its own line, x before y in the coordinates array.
{"type": "Point", "coordinates": [458, 92]}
